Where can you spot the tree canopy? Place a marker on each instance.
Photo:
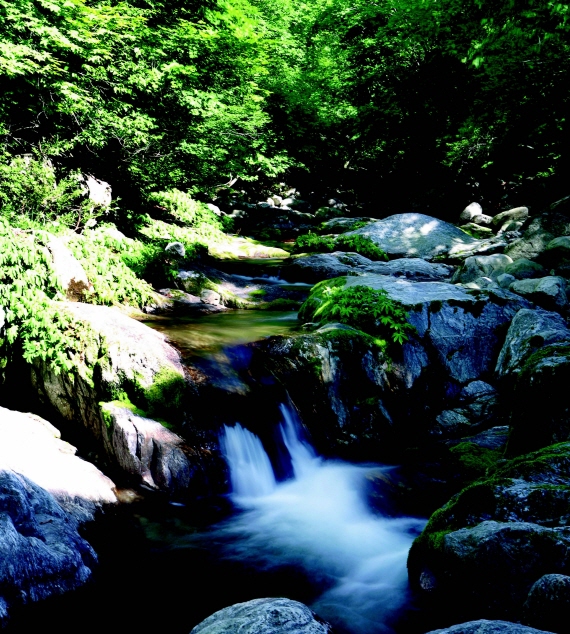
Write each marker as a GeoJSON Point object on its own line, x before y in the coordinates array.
{"type": "Point", "coordinates": [419, 103]}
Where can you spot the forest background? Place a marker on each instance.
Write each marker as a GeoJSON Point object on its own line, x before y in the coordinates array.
{"type": "Point", "coordinates": [401, 104]}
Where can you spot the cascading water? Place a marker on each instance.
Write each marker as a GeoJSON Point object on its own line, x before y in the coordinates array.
{"type": "Point", "coordinates": [319, 522]}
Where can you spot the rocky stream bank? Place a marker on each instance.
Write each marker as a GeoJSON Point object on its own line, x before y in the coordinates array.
{"type": "Point", "coordinates": [472, 407]}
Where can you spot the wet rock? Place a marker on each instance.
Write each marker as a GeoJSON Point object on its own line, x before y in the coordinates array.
{"type": "Point", "coordinates": [318, 267]}
{"type": "Point", "coordinates": [483, 626]}
{"type": "Point", "coordinates": [548, 603]}
{"type": "Point", "coordinates": [210, 297]}
{"type": "Point", "coordinates": [523, 269]}
{"type": "Point", "coordinates": [148, 452]}
{"type": "Point", "coordinates": [41, 552]}
{"type": "Point", "coordinates": [416, 235]}
{"type": "Point", "coordinates": [534, 369]}
{"type": "Point", "coordinates": [264, 616]}
{"type": "Point", "coordinates": [505, 280]}
{"type": "Point", "coordinates": [548, 292]}
{"type": "Point", "coordinates": [481, 266]}
{"type": "Point", "coordinates": [498, 536]}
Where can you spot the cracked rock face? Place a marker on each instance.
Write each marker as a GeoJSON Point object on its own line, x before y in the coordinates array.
{"type": "Point", "coordinates": [41, 552]}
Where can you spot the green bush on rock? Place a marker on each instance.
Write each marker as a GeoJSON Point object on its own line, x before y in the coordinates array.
{"type": "Point", "coordinates": [367, 309]}
{"type": "Point", "coordinates": [311, 242]}
{"type": "Point", "coordinates": [361, 245]}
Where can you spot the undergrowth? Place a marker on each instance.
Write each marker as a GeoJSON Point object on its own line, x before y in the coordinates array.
{"type": "Point", "coordinates": [362, 245]}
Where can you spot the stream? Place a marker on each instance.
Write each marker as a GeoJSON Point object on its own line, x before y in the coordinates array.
{"type": "Point", "coordinates": [295, 525]}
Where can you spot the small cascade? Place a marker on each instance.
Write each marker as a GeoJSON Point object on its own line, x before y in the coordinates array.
{"type": "Point", "coordinates": [250, 469]}
{"type": "Point", "coordinates": [303, 457]}
{"type": "Point", "coordinates": [319, 522]}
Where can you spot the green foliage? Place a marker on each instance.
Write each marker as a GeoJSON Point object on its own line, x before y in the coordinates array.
{"type": "Point", "coordinates": [31, 196]}
{"type": "Point", "coordinates": [367, 309]}
{"type": "Point", "coordinates": [36, 324]}
{"type": "Point", "coordinates": [313, 243]}
{"type": "Point", "coordinates": [103, 258]}
{"type": "Point", "coordinates": [362, 245]}
{"type": "Point", "coordinates": [475, 461]}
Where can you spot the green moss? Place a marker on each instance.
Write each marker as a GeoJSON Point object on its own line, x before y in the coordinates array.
{"type": "Point", "coordinates": [475, 461]}
{"type": "Point", "coordinates": [257, 294]}
{"type": "Point", "coordinates": [553, 350]}
{"type": "Point", "coordinates": [166, 396]}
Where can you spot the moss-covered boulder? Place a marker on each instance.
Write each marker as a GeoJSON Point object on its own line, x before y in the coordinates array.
{"type": "Point", "coordinates": [485, 548]}
{"type": "Point", "coordinates": [484, 626]}
{"type": "Point", "coordinates": [534, 369]}
{"type": "Point", "coordinates": [126, 362]}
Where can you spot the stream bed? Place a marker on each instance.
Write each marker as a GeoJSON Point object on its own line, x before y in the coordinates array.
{"type": "Point", "coordinates": [302, 529]}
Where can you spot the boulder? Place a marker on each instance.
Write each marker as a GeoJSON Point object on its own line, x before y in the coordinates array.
{"type": "Point", "coordinates": [340, 225]}
{"type": "Point", "coordinates": [491, 542]}
{"type": "Point", "coordinates": [517, 214]}
{"type": "Point", "coordinates": [69, 271]}
{"type": "Point", "coordinates": [472, 210]}
{"type": "Point", "coordinates": [477, 231]}
{"type": "Point", "coordinates": [175, 249]}
{"type": "Point", "coordinates": [505, 280]}
{"type": "Point", "coordinates": [482, 219]}
{"type": "Point", "coordinates": [524, 269]}
{"type": "Point", "coordinates": [534, 368]}
{"type": "Point", "coordinates": [481, 266]}
{"type": "Point", "coordinates": [416, 235]}
{"type": "Point", "coordinates": [483, 626]}
{"type": "Point", "coordinates": [148, 452]}
{"type": "Point", "coordinates": [32, 447]}
{"type": "Point", "coordinates": [264, 616]}
{"type": "Point", "coordinates": [99, 192]}
{"type": "Point", "coordinates": [324, 266]}
{"type": "Point", "coordinates": [556, 255]}
{"type": "Point", "coordinates": [541, 231]}
{"type": "Point", "coordinates": [352, 395]}
{"type": "Point", "coordinates": [548, 292]}
{"type": "Point", "coordinates": [129, 363]}
{"type": "Point", "coordinates": [548, 603]}
{"type": "Point", "coordinates": [41, 551]}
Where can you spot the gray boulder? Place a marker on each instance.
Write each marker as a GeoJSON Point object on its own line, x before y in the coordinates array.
{"type": "Point", "coordinates": [264, 616]}
{"type": "Point", "coordinates": [548, 603]}
{"type": "Point", "coordinates": [128, 362]}
{"type": "Point", "coordinates": [41, 552]}
{"type": "Point", "coordinates": [523, 269]}
{"type": "Point", "coordinates": [147, 451]}
{"type": "Point", "coordinates": [483, 626]}
{"type": "Point", "coordinates": [481, 266]}
{"type": "Point", "coordinates": [482, 219]}
{"type": "Point", "coordinates": [541, 231]}
{"type": "Point", "coordinates": [324, 266]}
{"type": "Point", "coordinates": [556, 255]}
{"type": "Point", "coordinates": [32, 447]}
{"type": "Point", "coordinates": [98, 191]}
{"type": "Point", "coordinates": [548, 292]}
{"type": "Point", "coordinates": [519, 214]}
{"type": "Point", "coordinates": [534, 369]}
{"type": "Point", "coordinates": [414, 235]}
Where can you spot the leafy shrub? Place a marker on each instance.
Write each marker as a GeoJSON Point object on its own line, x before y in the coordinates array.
{"type": "Point", "coordinates": [361, 245]}
{"type": "Point", "coordinates": [184, 210]}
{"type": "Point", "coordinates": [367, 309]}
{"type": "Point", "coordinates": [313, 243]}
{"type": "Point", "coordinates": [34, 322]}
{"type": "Point", "coordinates": [31, 196]}
{"type": "Point", "coordinates": [103, 257]}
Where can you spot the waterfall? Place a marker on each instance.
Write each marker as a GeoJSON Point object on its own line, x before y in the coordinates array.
{"type": "Point", "coordinates": [319, 522]}
{"type": "Point", "coordinates": [250, 469]}
{"type": "Point", "coordinates": [303, 457]}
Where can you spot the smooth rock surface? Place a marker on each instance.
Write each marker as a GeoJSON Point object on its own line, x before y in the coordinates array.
{"type": "Point", "coordinates": [523, 269]}
{"type": "Point", "coordinates": [68, 270]}
{"type": "Point", "coordinates": [472, 210]}
{"type": "Point", "coordinates": [32, 447]}
{"type": "Point", "coordinates": [416, 235]}
{"type": "Point", "coordinates": [516, 214]}
{"type": "Point", "coordinates": [264, 616]}
{"type": "Point", "coordinates": [481, 266]}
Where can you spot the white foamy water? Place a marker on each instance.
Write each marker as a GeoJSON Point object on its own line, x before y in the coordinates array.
{"type": "Point", "coordinates": [320, 522]}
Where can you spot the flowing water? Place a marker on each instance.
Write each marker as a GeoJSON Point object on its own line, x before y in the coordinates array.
{"type": "Point", "coordinates": [294, 525]}
{"type": "Point", "coordinates": [317, 521]}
